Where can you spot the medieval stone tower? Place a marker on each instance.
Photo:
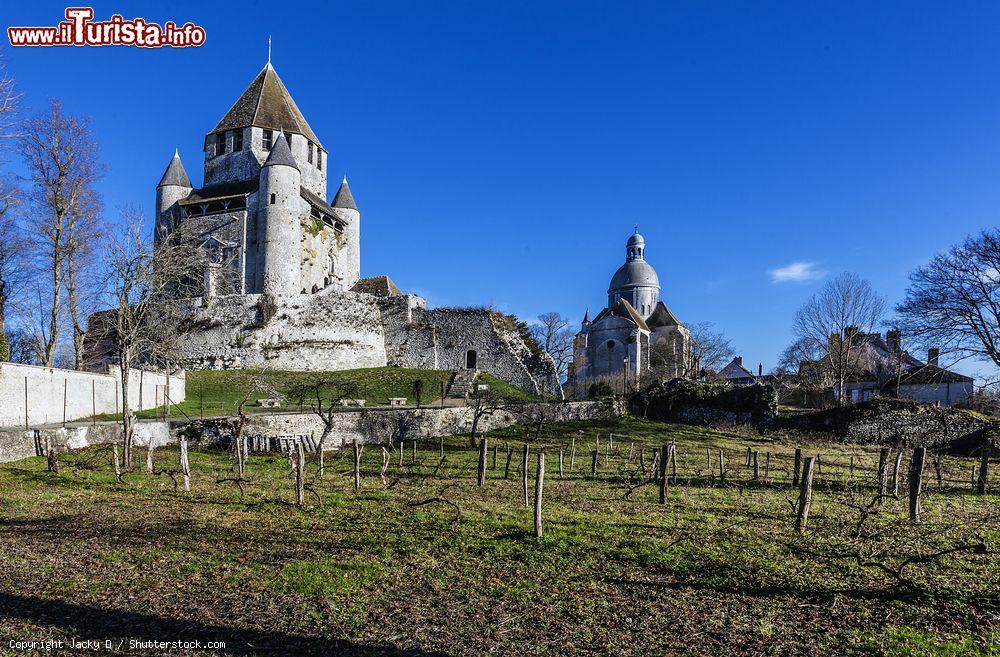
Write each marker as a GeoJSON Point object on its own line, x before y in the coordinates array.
{"type": "Point", "coordinates": [261, 214]}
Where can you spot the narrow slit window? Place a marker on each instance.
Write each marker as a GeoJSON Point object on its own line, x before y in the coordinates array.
{"type": "Point", "coordinates": [310, 152]}
{"type": "Point", "coordinates": [268, 139]}
{"type": "Point", "coordinates": [273, 198]}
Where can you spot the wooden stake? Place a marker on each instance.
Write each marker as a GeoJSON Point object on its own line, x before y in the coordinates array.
{"type": "Point", "coordinates": [115, 461]}
{"type": "Point", "coordinates": [593, 463]}
{"type": "Point", "coordinates": [357, 463]}
{"type": "Point", "coordinates": [882, 476]}
{"type": "Point", "coordinates": [805, 495]}
{"type": "Point", "coordinates": [663, 473]}
{"type": "Point", "coordinates": [572, 454]}
{"type": "Point", "coordinates": [185, 465]}
{"type": "Point", "coordinates": [481, 465]}
{"type": "Point", "coordinates": [300, 473]}
{"type": "Point", "coordinates": [756, 466]}
{"type": "Point", "coordinates": [560, 464]}
{"type": "Point", "coordinates": [149, 455]}
{"type": "Point", "coordinates": [539, 483]}
{"type": "Point", "coordinates": [524, 474]}
{"type": "Point", "coordinates": [506, 469]}
{"type": "Point", "coordinates": [895, 474]}
{"type": "Point", "coordinates": [673, 464]}
{"type": "Point", "coordinates": [984, 468]}
{"type": "Point", "coordinates": [916, 481]}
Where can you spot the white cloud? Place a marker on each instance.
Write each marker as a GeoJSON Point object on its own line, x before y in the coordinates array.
{"type": "Point", "coordinates": [797, 272]}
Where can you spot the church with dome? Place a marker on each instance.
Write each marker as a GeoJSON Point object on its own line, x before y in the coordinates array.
{"type": "Point", "coordinates": [636, 334]}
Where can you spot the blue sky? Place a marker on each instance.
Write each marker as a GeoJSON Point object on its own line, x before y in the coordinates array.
{"type": "Point", "coordinates": [501, 152]}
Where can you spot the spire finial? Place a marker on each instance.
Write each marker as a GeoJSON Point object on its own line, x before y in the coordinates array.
{"type": "Point", "coordinates": [636, 226]}
{"type": "Point", "coordinates": [344, 182]}
{"type": "Point", "coordinates": [268, 49]}
{"type": "Point", "coordinates": [176, 154]}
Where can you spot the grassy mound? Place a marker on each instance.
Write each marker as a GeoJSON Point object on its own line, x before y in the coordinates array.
{"type": "Point", "coordinates": [219, 391]}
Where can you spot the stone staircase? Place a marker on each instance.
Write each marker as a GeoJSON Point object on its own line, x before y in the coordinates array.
{"type": "Point", "coordinates": [461, 384]}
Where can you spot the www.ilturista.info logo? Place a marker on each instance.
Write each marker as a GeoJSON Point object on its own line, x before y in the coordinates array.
{"type": "Point", "coordinates": [79, 29]}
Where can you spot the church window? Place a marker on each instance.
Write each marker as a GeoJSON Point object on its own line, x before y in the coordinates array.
{"type": "Point", "coordinates": [310, 152]}
{"type": "Point", "coordinates": [273, 198]}
{"type": "Point", "coordinates": [220, 143]}
{"type": "Point", "coordinates": [319, 159]}
{"type": "Point", "coordinates": [237, 141]}
{"type": "Point", "coordinates": [268, 139]}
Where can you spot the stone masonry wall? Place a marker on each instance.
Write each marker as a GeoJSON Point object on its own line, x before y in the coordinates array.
{"type": "Point", "coordinates": [43, 390]}
{"type": "Point", "coordinates": [325, 331]}
{"type": "Point", "coordinates": [352, 424]}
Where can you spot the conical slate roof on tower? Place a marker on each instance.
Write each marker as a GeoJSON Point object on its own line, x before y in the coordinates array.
{"type": "Point", "coordinates": [175, 174]}
{"type": "Point", "coordinates": [280, 153]}
{"type": "Point", "coordinates": [267, 104]}
{"type": "Point", "coordinates": [344, 199]}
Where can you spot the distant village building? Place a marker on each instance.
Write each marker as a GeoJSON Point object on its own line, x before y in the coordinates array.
{"type": "Point", "coordinates": [737, 375]}
{"type": "Point", "coordinates": [636, 333]}
{"type": "Point", "coordinates": [881, 366]}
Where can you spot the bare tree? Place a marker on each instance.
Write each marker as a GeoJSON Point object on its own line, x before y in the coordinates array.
{"type": "Point", "coordinates": [706, 349]}
{"type": "Point", "coordinates": [81, 263]}
{"type": "Point", "coordinates": [143, 282]}
{"type": "Point", "coordinates": [12, 251]}
{"type": "Point", "coordinates": [843, 308]}
{"type": "Point", "coordinates": [554, 335]}
{"type": "Point", "coordinates": [484, 405]}
{"type": "Point", "coordinates": [325, 395]}
{"type": "Point", "coordinates": [953, 302]}
{"type": "Point", "coordinates": [10, 104]}
{"type": "Point", "coordinates": [12, 256]}
{"type": "Point", "coordinates": [61, 156]}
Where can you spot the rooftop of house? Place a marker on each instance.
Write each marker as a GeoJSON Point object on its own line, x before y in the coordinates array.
{"type": "Point", "coordinates": [380, 286]}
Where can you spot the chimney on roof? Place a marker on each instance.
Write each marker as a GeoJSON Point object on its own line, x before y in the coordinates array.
{"type": "Point", "coordinates": [932, 356]}
{"type": "Point", "coordinates": [760, 370]}
{"type": "Point", "coordinates": [738, 360]}
{"type": "Point", "coordinates": [893, 338]}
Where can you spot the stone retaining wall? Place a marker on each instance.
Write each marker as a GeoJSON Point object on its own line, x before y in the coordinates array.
{"type": "Point", "coordinates": [367, 426]}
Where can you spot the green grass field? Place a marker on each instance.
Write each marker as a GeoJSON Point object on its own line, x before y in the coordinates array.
{"type": "Point", "coordinates": [217, 392]}
{"type": "Point", "coordinates": [430, 564]}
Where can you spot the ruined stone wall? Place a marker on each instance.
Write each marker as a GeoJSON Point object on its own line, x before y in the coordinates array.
{"type": "Point", "coordinates": [499, 350]}
{"type": "Point", "coordinates": [324, 331]}
{"type": "Point", "coordinates": [409, 341]}
{"type": "Point", "coordinates": [376, 425]}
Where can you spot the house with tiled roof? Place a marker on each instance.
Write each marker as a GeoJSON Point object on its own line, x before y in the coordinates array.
{"type": "Point", "coordinates": [880, 366]}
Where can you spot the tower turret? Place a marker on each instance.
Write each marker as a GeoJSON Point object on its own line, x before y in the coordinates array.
{"type": "Point", "coordinates": [347, 211]}
{"type": "Point", "coordinates": [173, 186]}
{"type": "Point", "coordinates": [279, 198]}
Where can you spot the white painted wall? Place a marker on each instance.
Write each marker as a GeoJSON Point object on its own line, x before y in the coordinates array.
{"type": "Point", "coordinates": [41, 393]}
{"type": "Point", "coordinates": [946, 394]}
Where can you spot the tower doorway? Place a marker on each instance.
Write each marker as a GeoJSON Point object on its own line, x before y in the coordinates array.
{"type": "Point", "coordinates": [470, 359]}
